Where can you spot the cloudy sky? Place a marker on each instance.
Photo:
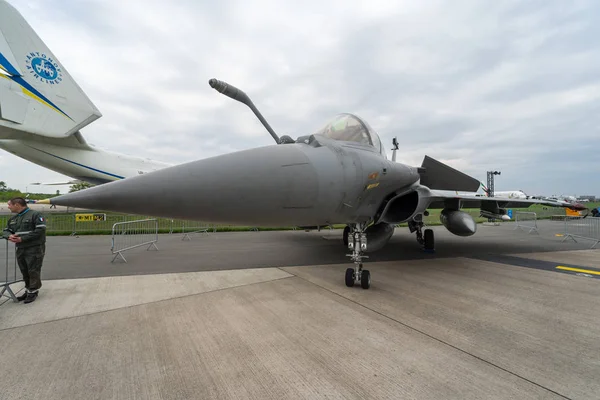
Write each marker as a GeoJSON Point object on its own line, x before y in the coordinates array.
{"type": "Point", "coordinates": [511, 86]}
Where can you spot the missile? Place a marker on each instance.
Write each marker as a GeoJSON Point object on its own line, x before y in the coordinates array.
{"type": "Point", "coordinates": [488, 214]}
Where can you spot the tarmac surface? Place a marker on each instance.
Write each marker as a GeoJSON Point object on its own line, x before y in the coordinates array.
{"type": "Point", "coordinates": [266, 315]}
{"type": "Point", "coordinates": [90, 256]}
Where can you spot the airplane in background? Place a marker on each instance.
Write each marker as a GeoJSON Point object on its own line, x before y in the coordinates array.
{"type": "Point", "coordinates": [568, 198]}
{"type": "Point", "coordinates": [567, 201]}
{"type": "Point", "coordinates": [42, 111]}
{"type": "Point", "coordinates": [512, 194]}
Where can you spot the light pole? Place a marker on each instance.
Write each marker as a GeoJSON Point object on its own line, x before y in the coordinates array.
{"type": "Point", "coordinates": [490, 182]}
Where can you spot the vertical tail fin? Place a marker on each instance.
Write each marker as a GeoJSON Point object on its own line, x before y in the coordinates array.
{"type": "Point", "coordinates": [37, 94]}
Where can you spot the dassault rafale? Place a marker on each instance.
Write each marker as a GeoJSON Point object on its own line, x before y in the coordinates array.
{"type": "Point", "coordinates": [337, 175]}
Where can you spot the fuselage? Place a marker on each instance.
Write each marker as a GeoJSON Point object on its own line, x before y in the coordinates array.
{"type": "Point", "coordinates": [87, 163]}
{"type": "Point", "coordinates": [317, 183]}
{"type": "Point", "coordinates": [512, 194]}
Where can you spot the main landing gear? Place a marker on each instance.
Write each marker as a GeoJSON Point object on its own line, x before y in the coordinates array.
{"type": "Point", "coordinates": [424, 237]}
{"type": "Point", "coordinates": [356, 240]}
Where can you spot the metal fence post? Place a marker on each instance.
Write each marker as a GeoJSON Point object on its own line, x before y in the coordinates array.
{"type": "Point", "coordinates": [6, 290]}
{"type": "Point", "coordinates": [74, 225]}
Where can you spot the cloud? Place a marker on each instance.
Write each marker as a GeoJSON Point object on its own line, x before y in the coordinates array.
{"type": "Point", "coordinates": [510, 86]}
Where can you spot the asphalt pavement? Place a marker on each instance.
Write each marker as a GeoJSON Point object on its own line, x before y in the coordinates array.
{"type": "Point", "coordinates": [90, 256]}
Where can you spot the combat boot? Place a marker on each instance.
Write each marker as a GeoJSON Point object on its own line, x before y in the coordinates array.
{"type": "Point", "coordinates": [31, 297]}
{"type": "Point", "coordinates": [22, 297]}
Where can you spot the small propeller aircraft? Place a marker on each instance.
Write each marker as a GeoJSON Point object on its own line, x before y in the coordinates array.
{"type": "Point", "coordinates": [337, 175]}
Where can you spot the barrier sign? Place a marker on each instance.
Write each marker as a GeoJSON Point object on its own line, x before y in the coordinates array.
{"type": "Point", "coordinates": [90, 217]}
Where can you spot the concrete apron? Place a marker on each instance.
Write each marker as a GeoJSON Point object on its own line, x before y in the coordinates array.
{"type": "Point", "coordinates": [429, 329]}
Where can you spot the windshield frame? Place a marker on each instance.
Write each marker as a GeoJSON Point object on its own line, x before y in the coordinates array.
{"type": "Point", "coordinates": [372, 138]}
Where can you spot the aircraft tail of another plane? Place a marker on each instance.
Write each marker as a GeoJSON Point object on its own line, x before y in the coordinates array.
{"type": "Point", "coordinates": [37, 94]}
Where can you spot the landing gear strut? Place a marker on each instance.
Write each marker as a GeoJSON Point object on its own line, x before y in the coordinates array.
{"type": "Point", "coordinates": [424, 237]}
{"type": "Point", "coordinates": [357, 242]}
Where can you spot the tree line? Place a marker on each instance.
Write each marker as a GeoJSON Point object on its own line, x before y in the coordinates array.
{"type": "Point", "coordinates": [7, 193]}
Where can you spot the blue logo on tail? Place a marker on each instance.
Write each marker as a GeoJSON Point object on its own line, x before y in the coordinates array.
{"type": "Point", "coordinates": [43, 68]}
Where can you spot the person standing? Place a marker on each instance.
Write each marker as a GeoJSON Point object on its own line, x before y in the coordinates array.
{"type": "Point", "coordinates": [27, 230]}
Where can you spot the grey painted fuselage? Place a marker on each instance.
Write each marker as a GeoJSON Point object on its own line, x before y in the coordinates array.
{"type": "Point", "coordinates": [317, 183]}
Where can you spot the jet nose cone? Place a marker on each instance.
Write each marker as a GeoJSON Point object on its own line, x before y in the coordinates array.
{"type": "Point", "coordinates": [259, 186]}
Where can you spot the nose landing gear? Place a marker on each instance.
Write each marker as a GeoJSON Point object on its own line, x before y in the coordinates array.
{"type": "Point", "coordinates": [356, 240]}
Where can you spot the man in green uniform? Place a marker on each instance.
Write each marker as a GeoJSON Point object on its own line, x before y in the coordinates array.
{"type": "Point", "coordinates": [27, 230]}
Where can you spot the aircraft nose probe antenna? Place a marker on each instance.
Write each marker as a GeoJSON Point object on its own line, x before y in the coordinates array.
{"type": "Point", "coordinates": [236, 94]}
{"type": "Point", "coordinates": [394, 149]}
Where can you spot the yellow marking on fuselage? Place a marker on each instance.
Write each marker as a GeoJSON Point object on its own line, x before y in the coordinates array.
{"type": "Point", "coordinates": [372, 185]}
{"type": "Point", "coordinates": [585, 271]}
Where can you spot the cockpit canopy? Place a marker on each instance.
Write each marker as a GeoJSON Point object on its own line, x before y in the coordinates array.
{"type": "Point", "coordinates": [350, 128]}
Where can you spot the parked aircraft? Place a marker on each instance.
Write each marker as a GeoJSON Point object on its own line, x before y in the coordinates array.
{"type": "Point", "coordinates": [42, 110]}
{"type": "Point", "coordinates": [512, 194]}
{"type": "Point", "coordinates": [567, 201]}
{"type": "Point", "coordinates": [337, 175]}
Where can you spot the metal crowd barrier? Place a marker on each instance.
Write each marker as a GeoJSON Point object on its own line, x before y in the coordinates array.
{"type": "Point", "coordinates": [193, 228]}
{"type": "Point", "coordinates": [131, 234]}
{"type": "Point", "coordinates": [582, 228]}
{"type": "Point", "coordinates": [10, 276]}
{"type": "Point", "coordinates": [526, 220]}
{"type": "Point", "coordinates": [70, 224]}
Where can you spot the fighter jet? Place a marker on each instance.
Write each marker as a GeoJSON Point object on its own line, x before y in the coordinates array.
{"type": "Point", "coordinates": [339, 174]}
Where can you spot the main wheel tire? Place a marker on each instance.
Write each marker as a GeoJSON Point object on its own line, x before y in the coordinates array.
{"type": "Point", "coordinates": [350, 277]}
{"type": "Point", "coordinates": [346, 233]}
{"type": "Point", "coordinates": [428, 239]}
{"type": "Point", "coordinates": [365, 279]}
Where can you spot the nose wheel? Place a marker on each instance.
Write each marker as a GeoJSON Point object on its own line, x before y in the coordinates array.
{"type": "Point", "coordinates": [364, 277]}
{"type": "Point", "coordinates": [428, 240]}
{"type": "Point", "coordinates": [356, 241]}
